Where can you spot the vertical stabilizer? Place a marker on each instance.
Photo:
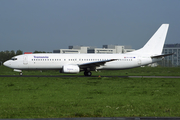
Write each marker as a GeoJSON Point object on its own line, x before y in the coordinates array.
{"type": "Point", "coordinates": [155, 45]}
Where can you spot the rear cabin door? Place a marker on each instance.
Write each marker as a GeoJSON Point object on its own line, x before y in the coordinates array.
{"type": "Point", "coordinates": [139, 60]}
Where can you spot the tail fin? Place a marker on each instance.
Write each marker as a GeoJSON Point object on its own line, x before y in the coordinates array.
{"type": "Point", "coordinates": [155, 44]}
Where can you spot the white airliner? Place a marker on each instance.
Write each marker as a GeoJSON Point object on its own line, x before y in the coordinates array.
{"type": "Point", "coordinates": [75, 63]}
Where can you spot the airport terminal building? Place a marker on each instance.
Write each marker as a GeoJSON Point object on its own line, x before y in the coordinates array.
{"type": "Point", "coordinates": [106, 49]}
{"type": "Point", "coordinates": [172, 60]}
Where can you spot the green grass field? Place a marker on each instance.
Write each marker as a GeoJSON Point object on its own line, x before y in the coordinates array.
{"type": "Point", "coordinates": [140, 71]}
{"type": "Point", "coordinates": [37, 97]}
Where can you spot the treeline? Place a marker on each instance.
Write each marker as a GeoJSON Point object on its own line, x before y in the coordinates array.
{"type": "Point", "coordinates": [6, 55]}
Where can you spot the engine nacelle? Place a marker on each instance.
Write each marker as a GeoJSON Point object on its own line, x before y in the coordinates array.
{"type": "Point", "coordinates": [71, 69]}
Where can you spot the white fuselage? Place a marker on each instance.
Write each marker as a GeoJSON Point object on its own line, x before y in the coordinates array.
{"type": "Point", "coordinates": [57, 61]}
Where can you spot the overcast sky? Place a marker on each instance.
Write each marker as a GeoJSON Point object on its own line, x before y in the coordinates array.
{"type": "Point", "coordinates": [46, 25]}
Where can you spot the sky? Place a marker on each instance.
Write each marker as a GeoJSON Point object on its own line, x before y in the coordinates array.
{"type": "Point", "coordinates": [47, 25]}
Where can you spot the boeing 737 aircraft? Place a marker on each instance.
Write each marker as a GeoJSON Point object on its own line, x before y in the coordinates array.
{"type": "Point", "coordinates": [75, 63]}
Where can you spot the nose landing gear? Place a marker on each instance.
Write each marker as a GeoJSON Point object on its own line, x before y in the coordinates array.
{"type": "Point", "coordinates": [20, 73]}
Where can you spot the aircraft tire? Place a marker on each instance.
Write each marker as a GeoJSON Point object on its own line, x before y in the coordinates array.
{"type": "Point", "coordinates": [87, 73]}
{"type": "Point", "coordinates": [20, 73]}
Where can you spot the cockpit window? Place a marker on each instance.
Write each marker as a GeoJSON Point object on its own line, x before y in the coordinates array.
{"type": "Point", "coordinates": [13, 58]}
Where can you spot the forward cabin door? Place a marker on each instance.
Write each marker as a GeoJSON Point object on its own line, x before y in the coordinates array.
{"type": "Point", "coordinates": [25, 60]}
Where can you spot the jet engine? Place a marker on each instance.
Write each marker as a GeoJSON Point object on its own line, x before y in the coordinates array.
{"type": "Point", "coordinates": [71, 69]}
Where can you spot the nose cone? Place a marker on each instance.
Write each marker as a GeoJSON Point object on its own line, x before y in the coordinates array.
{"type": "Point", "coordinates": [7, 64]}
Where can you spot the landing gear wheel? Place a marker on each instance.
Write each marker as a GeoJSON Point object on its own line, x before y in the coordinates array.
{"type": "Point", "coordinates": [20, 73]}
{"type": "Point", "coordinates": [87, 73]}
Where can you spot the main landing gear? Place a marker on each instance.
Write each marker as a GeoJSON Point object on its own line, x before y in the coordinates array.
{"type": "Point", "coordinates": [87, 73]}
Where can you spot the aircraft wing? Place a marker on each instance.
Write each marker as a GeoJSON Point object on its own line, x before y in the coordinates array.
{"type": "Point", "coordinates": [94, 64]}
{"type": "Point", "coordinates": [158, 56]}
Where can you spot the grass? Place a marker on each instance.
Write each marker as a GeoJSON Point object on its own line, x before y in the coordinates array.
{"type": "Point", "coordinates": [53, 97]}
{"type": "Point", "coordinates": [141, 71]}
{"type": "Point", "coordinates": [88, 97]}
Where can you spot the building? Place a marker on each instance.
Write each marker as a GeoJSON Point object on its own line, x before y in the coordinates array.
{"type": "Point", "coordinates": [106, 49]}
{"type": "Point", "coordinates": [74, 49]}
{"type": "Point", "coordinates": [172, 60]}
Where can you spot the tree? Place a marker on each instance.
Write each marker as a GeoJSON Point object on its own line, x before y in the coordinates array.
{"type": "Point", "coordinates": [39, 51]}
{"type": "Point", "coordinates": [6, 55]}
{"type": "Point", "coordinates": [12, 53]}
{"type": "Point", "coordinates": [19, 52]}
{"type": "Point", "coordinates": [2, 56]}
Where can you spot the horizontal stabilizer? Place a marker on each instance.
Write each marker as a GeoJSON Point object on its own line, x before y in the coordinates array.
{"type": "Point", "coordinates": [159, 56]}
